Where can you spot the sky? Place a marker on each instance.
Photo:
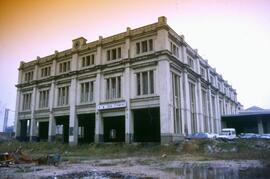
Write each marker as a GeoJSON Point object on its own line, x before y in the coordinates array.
{"type": "Point", "coordinates": [233, 35]}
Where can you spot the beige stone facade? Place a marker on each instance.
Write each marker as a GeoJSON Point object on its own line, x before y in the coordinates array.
{"type": "Point", "coordinates": [142, 85]}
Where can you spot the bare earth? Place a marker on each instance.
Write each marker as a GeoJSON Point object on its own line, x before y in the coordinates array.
{"type": "Point", "coordinates": [140, 167]}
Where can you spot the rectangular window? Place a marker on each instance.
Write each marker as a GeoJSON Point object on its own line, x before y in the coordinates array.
{"type": "Point", "coordinates": [87, 92]}
{"type": "Point", "coordinates": [63, 96]}
{"type": "Point", "coordinates": [88, 60]}
{"type": "Point", "coordinates": [144, 46]}
{"type": "Point", "coordinates": [113, 88]}
{"type": "Point", "coordinates": [28, 76]}
{"type": "Point", "coordinates": [203, 73]}
{"type": "Point", "coordinates": [212, 80]}
{"type": "Point", "coordinates": [191, 62]}
{"type": "Point", "coordinates": [44, 99]}
{"type": "Point", "coordinates": [137, 48]}
{"type": "Point", "coordinates": [64, 67]}
{"type": "Point", "coordinates": [145, 83]}
{"type": "Point", "coordinates": [174, 50]}
{"type": "Point", "coordinates": [119, 52]}
{"type": "Point", "coordinates": [150, 42]}
{"type": "Point", "coordinates": [46, 71]}
{"type": "Point", "coordinates": [114, 54]}
{"type": "Point", "coordinates": [27, 101]}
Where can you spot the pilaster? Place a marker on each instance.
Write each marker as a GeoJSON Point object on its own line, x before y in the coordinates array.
{"type": "Point", "coordinates": [129, 123]}
{"type": "Point", "coordinates": [260, 126]}
{"type": "Point", "coordinates": [73, 121]}
{"type": "Point", "coordinates": [166, 120]}
{"type": "Point", "coordinates": [186, 103]}
{"type": "Point", "coordinates": [33, 123]}
{"type": "Point", "coordinates": [99, 131]}
{"type": "Point", "coordinates": [52, 125]}
{"type": "Point", "coordinates": [17, 121]}
{"type": "Point", "coordinates": [210, 110]}
{"type": "Point", "coordinates": [199, 106]}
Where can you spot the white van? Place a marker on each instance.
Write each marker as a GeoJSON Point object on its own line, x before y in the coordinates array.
{"type": "Point", "coordinates": [227, 133]}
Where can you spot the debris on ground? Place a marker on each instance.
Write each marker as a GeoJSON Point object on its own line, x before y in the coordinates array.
{"type": "Point", "coordinates": [19, 157]}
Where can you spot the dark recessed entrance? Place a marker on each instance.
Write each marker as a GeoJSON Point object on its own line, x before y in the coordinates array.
{"type": "Point", "coordinates": [25, 128]}
{"type": "Point", "coordinates": [146, 125]}
{"type": "Point", "coordinates": [62, 128]}
{"type": "Point", "coordinates": [43, 130]}
{"type": "Point", "coordinates": [86, 128]}
{"type": "Point", "coordinates": [114, 129]}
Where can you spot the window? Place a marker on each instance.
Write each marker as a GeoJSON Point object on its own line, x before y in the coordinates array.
{"type": "Point", "coordinates": [63, 95]}
{"type": "Point", "coordinates": [27, 97]}
{"type": "Point", "coordinates": [28, 76]}
{"type": "Point", "coordinates": [46, 71]}
{"type": "Point", "coordinates": [64, 67]}
{"type": "Point", "coordinates": [203, 73]}
{"type": "Point", "coordinates": [144, 46]}
{"type": "Point", "coordinates": [145, 83]}
{"type": "Point", "coordinates": [174, 50]}
{"type": "Point", "coordinates": [113, 88]}
{"type": "Point", "coordinates": [191, 63]}
{"type": "Point", "coordinates": [219, 85]}
{"type": "Point", "coordinates": [212, 80]}
{"type": "Point", "coordinates": [176, 103]}
{"type": "Point", "coordinates": [88, 60]}
{"type": "Point", "coordinates": [114, 54]}
{"type": "Point", "coordinates": [43, 99]}
{"type": "Point", "coordinates": [192, 107]}
{"type": "Point", "coordinates": [87, 92]}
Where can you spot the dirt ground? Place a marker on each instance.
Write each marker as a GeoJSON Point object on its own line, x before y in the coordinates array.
{"type": "Point", "coordinates": [135, 167]}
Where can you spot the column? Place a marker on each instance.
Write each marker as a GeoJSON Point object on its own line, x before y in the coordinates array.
{"type": "Point", "coordinates": [17, 124]}
{"type": "Point", "coordinates": [33, 123]}
{"type": "Point", "coordinates": [166, 118]}
{"type": "Point", "coordinates": [52, 124]}
{"type": "Point", "coordinates": [210, 110]}
{"type": "Point", "coordinates": [73, 121]}
{"type": "Point", "coordinates": [99, 130]}
{"type": "Point", "coordinates": [260, 126]}
{"type": "Point", "coordinates": [199, 107]}
{"type": "Point", "coordinates": [17, 121]}
{"type": "Point", "coordinates": [129, 123]}
{"type": "Point", "coordinates": [218, 115]}
{"type": "Point", "coordinates": [187, 110]}
{"type": "Point", "coordinates": [183, 107]}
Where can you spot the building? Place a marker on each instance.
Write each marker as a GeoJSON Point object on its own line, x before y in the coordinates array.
{"type": "Point", "coordinates": [251, 120]}
{"type": "Point", "coordinates": [141, 85]}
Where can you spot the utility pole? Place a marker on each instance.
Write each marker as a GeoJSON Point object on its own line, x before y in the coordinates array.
{"type": "Point", "coordinates": [5, 119]}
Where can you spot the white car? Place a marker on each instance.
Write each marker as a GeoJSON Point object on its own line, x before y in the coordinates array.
{"type": "Point", "coordinates": [227, 133]}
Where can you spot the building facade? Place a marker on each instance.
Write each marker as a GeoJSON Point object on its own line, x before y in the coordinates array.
{"type": "Point", "coordinates": [143, 85]}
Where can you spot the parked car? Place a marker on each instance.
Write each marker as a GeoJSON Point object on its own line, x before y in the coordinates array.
{"type": "Point", "coordinates": [227, 133]}
{"type": "Point", "coordinates": [249, 136]}
{"type": "Point", "coordinates": [264, 136]}
{"type": "Point", "coordinates": [201, 135]}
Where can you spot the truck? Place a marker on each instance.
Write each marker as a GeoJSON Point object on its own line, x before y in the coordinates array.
{"type": "Point", "coordinates": [227, 133]}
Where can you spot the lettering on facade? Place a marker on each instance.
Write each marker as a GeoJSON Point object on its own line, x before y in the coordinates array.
{"type": "Point", "coordinates": [112, 105]}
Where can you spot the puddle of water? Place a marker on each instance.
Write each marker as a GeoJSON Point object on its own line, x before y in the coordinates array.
{"type": "Point", "coordinates": [204, 172]}
{"type": "Point", "coordinates": [95, 175]}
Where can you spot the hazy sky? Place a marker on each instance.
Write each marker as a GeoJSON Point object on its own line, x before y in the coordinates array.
{"type": "Point", "coordinates": [233, 35]}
